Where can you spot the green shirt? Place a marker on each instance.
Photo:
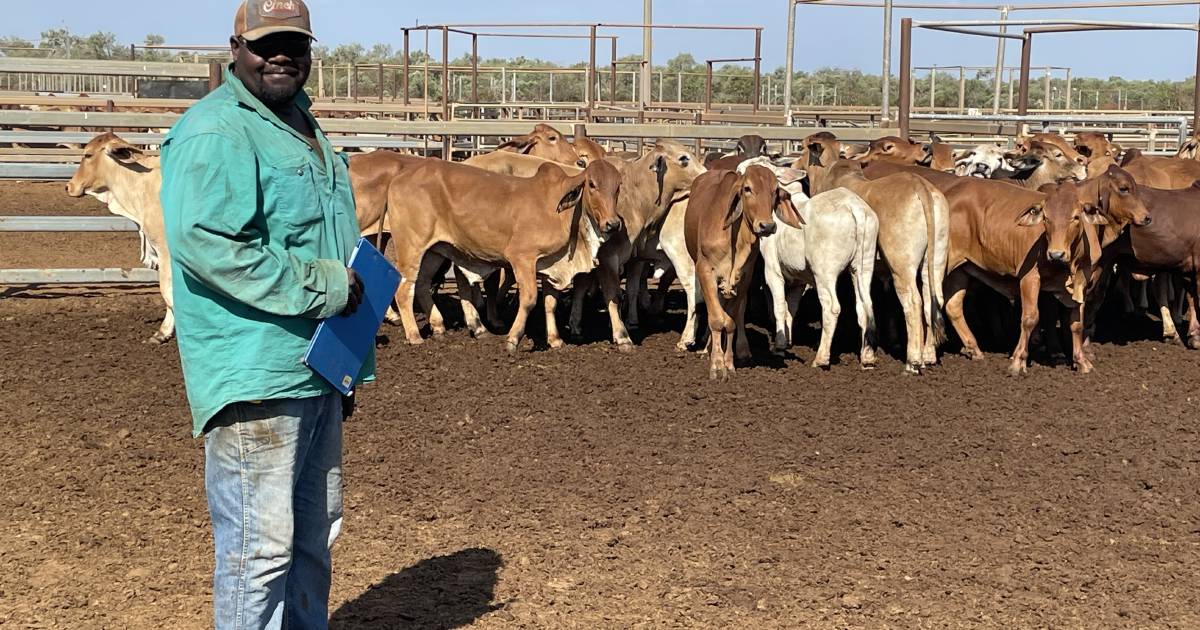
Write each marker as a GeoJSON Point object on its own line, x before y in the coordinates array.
{"type": "Point", "coordinates": [259, 226]}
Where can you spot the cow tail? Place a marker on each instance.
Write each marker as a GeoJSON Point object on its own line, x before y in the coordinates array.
{"type": "Point", "coordinates": [933, 275]}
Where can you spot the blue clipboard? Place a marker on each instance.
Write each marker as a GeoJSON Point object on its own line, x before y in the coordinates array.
{"type": "Point", "coordinates": [340, 346]}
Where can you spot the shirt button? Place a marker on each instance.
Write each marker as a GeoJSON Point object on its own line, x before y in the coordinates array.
{"type": "Point", "coordinates": [300, 171]}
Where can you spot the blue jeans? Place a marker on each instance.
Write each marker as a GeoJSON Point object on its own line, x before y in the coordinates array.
{"type": "Point", "coordinates": [273, 474]}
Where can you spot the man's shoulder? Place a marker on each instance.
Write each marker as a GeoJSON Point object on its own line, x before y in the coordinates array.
{"type": "Point", "coordinates": [217, 113]}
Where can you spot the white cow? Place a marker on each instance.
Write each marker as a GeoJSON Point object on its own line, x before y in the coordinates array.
{"type": "Point", "coordinates": [981, 161]}
{"type": "Point", "coordinates": [840, 232]}
{"type": "Point", "coordinates": [128, 182]}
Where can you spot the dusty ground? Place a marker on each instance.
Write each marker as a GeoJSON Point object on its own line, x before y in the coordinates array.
{"type": "Point", "coordinates": [587, 488]}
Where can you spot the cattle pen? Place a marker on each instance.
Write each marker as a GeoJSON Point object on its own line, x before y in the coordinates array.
{"type": "Point", "coordinates": [592, 484]}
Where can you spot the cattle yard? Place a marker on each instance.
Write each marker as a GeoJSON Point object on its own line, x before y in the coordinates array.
{"type": "Point", "coordinates": [599, 485]}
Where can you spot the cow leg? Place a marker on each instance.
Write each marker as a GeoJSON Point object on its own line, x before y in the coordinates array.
{"type": "Point", "coordinates": [686, 272]}
{"type": "Point", "coordinates": [741, 343]}
{"type": "Point", "coordinates": [1031, 286]}
{"type": "Point", "coordinates": [956, 293]}
{"type": "Point", "coordinates": [929, 348]}
{"type": "Point", "coordinates": [430, 265]}
{"type": "Point", "coordinates": [583, 284]}
{"type": "Point", "coordinates": [659, 304]}
{"type": "Point", "coordinates": [1193, 294]}
{"type": "Point", "coordinates": [910, 301]}
{"type": "Point", "coordinates": [777, 289]}
{"type": "Point", "coordinates": [831, 308]}
{"type": "Point", "coordinates": [550, 297]}
{"type": "Point", "coordinates": [793, 296]}
{"type": "Point", "coordinates": [525, 273]}
{"type": "Point", "coordinates": [861, 279]}
{"type": "Point", "coordinates": [633, 291]}
{"type": "Point", "coordinates": [717, 324]}
{"type": "Point", "coordinates": [166, 329]}
{"type": "Point", "coordinates": [1162, 294]}
{"type": "Point", "coordinates": [404, 302]}
{"type": "Point", "coordinates": [1082, 362]}
{"type": "Point", "coordinates": [466, 297]}
{"type": "Point", "coordinates": [610, 284]}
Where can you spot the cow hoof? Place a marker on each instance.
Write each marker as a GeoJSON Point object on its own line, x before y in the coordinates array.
{"type": "Point", "coordinates": [821, 365]}
{"type": "Point", "coordinates": [1171, 338]}
{"type": "Point", "coordinates": [480, 333]}
{"type": "Point", "coordinates": [511, 346]}
{"type": "Point", "coordinates": [415, 341]}
{"type": "Point", "coordinates": [1084, 366]}
{"type": "Point", "coordinates": [1018, 369]}
{"type": "Point", "coordinates": [554, 343]}
{"type": "Point", "coordinates": [714, 374]}
{"type": "Point", "coordinates": [156, 340]}
{"type": "Point", "coordinates": [625, 347]}
{"type": "Point", "coordinates": [683, 346]}
{"type": "Point", "coordinates": [1193, 342]}
{"type": "Point", "coordinates": [912, 368]}
{"type": "Point", "coordinates": [973, 354]}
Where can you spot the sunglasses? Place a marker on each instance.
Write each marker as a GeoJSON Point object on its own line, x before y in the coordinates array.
{"type": "Point", "coordinates": [287, 45]}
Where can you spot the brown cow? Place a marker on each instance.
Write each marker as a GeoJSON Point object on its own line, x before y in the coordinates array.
{"type": "Point", "coordinates": [1190, 149]}
{"type": "Point", "coordinates": [1043, 163]}
{"type": "Point", "coordinates": [370, 175]}
{"type": "Point", "coordinates": [935, 155]}
{"type": "Point", "coordinates": [589, 150]}
{"type": "Point", "coordinates": [1025, 143]}
{"type": "Point", "coordinates": [1161, 172]}
{"type": "Point", "coordinates": [1098, 150]}
{"type": "Point", "coordinates": [544, 142]}
{"type": "Point", "coordinates": [648, 187]}
{"type": "Point", "coordinates": [913, 224]}
{"type": "Point", "coordinates": [440, 211]}
{"type": "Point", "coordinates": [726, 215]}
{"type": "Point", "coordinates": [128, 181]}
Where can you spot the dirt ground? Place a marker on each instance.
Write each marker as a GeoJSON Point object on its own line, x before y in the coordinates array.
{"type": "Point", "coordinates": [585, 488]}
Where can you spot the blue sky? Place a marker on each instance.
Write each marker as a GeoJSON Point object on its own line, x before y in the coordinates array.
{"type": "Point", "coordinates": [827, 36]}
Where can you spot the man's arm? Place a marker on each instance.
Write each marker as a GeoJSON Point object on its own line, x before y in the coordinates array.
{"type": "Point", "coordinates": [209, 195]}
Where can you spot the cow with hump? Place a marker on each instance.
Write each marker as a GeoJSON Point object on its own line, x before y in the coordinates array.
{"type": "Point", "coordinates": [482, 221]}
{"type": "Point", "coordinates": [727, 214]}
{"type": "Point", "coordinates": [128, 181]}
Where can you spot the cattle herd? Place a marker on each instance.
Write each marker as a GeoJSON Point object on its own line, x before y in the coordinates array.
{"type": "Point", "coordinates": [1078, 220]}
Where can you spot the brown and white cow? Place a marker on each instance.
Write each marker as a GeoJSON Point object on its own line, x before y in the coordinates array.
{"type": "Point", "coordinates": [1042, 163]}
{"type": "Point", "coordinates": [123, 177]}
{"type": "Point", "coordinates": [726, 215]}
{"type": "Point", "coordinates": [445, 210]}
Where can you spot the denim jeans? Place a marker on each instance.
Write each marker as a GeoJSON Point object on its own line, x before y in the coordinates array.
{"type": "Point", "coordinates": [273, 474]}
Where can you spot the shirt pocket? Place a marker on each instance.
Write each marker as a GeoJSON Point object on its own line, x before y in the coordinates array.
{"type": "Point", "coordinates": [293, 196]}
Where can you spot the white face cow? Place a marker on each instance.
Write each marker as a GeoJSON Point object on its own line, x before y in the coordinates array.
{"type": "Point", "coordinates": [981, 161]}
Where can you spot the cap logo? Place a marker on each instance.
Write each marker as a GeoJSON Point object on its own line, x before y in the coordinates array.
{"type": "Point", "coordinates": [279, 9]}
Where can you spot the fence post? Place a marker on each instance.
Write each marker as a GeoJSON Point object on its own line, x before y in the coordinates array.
{"type": "Point", "coordinates": [215, 75]}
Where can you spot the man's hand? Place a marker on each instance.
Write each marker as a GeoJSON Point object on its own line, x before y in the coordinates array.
{"type": "Point", "coordinates": [355, 295]}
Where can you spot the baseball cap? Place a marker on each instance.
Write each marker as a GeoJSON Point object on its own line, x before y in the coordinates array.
{"type": "Point", "coordinates": [258, 18]}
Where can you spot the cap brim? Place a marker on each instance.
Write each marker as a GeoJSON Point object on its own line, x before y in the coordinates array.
{"type": "Point", "coordinates": [259, 33]}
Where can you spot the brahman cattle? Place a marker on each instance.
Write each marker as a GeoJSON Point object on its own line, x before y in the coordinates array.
{"type": "Point", "coordinates": [441, 211]}
{"type": "Point", "coordinates": [980, 161]}
{"type": "Point", "coordinates": [1167, 173]}
{"type": "Point", "coordinates": [128, 181]}
{"type": "Point", "coordinates": [747, 147]}
{"type": "Point", "coordinates": [935, 155]}
{"type": "Point", "coordinates": [727, 214]}
{"type": "Point", "coordinates": [913, 231]}
{"type": "Point", "coordinates": [544, 142]}
{"type": "Point", "coordinates": [1042, 163]}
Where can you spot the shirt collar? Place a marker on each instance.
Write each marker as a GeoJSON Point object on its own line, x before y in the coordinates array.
{"type": "Point", "coordinates": [249, 100]}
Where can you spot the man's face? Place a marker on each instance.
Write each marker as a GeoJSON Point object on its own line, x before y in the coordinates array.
{"type": "Point", "coordinates": [273, 68]}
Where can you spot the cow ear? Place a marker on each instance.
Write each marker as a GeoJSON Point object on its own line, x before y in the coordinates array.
{"type": "Point", "coordinates": [520, 144]}
{"type": "Point", "coordinates": [1084, 150]}
{"type": "Point", "coordinates": [574, 195]}
{"type": "Point", "coordinates": [790, 175]}
{"type": "Point", "coordinates": [1031, 217]}
{"type": "Point", "coordinates": [786, 211]}
{"type": "Point", "coordinates": [1092, 215]}
{"type": "Point", "coordinates": [660, 174]}
{"type": "Point", "coordinates": [735, 204]}
{"type": "Point", "coordinates": [123, 153]}
{"type": "Point", "coordinates": [814, 154]}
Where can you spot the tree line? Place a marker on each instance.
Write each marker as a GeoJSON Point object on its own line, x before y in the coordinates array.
{"type": "Point", "coordinates": [680, 78]}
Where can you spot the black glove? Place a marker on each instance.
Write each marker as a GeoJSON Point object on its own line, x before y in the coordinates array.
{"type": "Point", "coordinates": [347, 405]}
{"type": "Point", "coordinates": [355, 295]}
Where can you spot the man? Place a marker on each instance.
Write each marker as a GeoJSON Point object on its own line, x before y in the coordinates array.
{"type": "Point", "coordinates": [260, 221]}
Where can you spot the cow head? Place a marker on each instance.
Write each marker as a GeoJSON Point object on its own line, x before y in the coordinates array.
{"type": "Point", "coordinates": [1026, 144]}
{"type": "Point", "coordinates": [758, 200]}
{"type": "Point", "coordinates": [820, 149]}
{"type": "Point", "coordinates": [674, 167]}
{"type": "Point", "coordinates": [981, 161]}
{"type": "Point", "coordinates": [589, 150]}
{"type": "Point", "coordinates": [1116, 197]}
{"type": "Point", "coordinates": [790, 183]}
{"type": "Point", "coordinates": [1054, 163]}
{"type": "Point", "coordinates": [897, 150]}
{"type": "Point", "coordinates": [1094, 146]}
{"type": "Point", "coordinates": [751, 146]}
{"type": "Point", "coordinates": [1190, 149]}
{"type": "Point", "coordinates": [596, 188]}
{"type": "Point", "coordinates": [101, 156]}
{"type": "Point", "coordinates": [1062, 213]}
{"type": "Point", "coordinates": [544, 142]}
